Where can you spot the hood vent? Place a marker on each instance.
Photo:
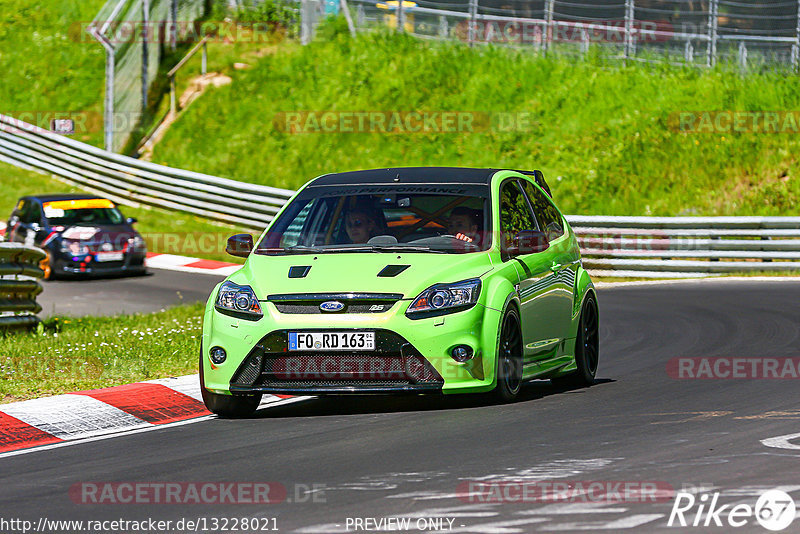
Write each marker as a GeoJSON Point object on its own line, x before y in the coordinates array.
{"type": "Point", "coordinates": [392, 270]}
{"type": "Point", "coordinates": [299, 271]}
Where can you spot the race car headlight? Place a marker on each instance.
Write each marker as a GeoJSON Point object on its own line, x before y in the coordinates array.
{"type": "Point", "coordinates": [441, 299]}
{"type": "Point", "coordinates": [240, 301]}
{"type": "Point", "coordinates": [76, 248]}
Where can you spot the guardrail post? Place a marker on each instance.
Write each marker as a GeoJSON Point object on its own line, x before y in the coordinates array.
{"type": "Point", "coordinates": [173, 99]}
{"type": "Point", "coordinates": [173, 31]}
{"type": "Point", "coordinates": [688, 52]}
{"type": "Point", "coordinates": [473, 13]}
{"type": "Point", "coordinates": [584, 41]}
{"type": "Point", "coordinates": [629, 17]}
{"type": "Point", "coordinates": [548, 24]}
{"type": "Point", "coordinates": [711, 47]}
{"type": "Point", "coordinates": [742, 57]}
{"type": "Point", "coordinates": [145, 25]}
{"type": "Point", "coordinates": [306, 21]}
{"type": "Point", "coordinates": [108, 111]}
{"type": "Point", "coordinates": [204, 61]}
{"type": "Point", "coordinates": [443, 29]}
{"type": "Point", "coordinates": [796, 45]}
{"type": "Point", "coordinates": [346, 10]}
{"type": "Point", "coordinates": [400, 16]}
{"type": "Point", "coordinates": [360, 16]}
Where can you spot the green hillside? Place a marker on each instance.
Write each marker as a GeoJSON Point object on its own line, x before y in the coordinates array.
{"type": "Point", "coordinates": [602, 133]}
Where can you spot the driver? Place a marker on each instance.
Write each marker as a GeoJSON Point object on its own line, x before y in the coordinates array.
{"type": "Point", "coordinates": [360, 226]}
{"type": "Point", "coordinates": [463, 224]}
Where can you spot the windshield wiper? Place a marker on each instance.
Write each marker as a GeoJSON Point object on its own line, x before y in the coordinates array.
{"type": "Point", "coordinates": [300, 249]}
{"type": "Point", "coordinates": [296, 249]}
{"type": "Point", "coordinates": [406, 248]}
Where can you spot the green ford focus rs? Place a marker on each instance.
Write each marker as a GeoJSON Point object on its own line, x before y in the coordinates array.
{"type": "Point", "coordinates": [406, 280]}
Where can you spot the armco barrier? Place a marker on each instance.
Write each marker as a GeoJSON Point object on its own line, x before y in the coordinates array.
{"type": "Point", "coordinates": [19, 285]}
{"type": "Point", "coordinates": [642, 247]}
{"type": "Point", "coordinates": [672, 247]}
{"type": "Point", "coordinates": [128, 180]}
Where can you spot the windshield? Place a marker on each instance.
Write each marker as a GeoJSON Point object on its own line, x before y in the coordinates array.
{"type": "Point", "coordinates": [85, 211]}
{"type": "Point", "coordinates": [439, 219]}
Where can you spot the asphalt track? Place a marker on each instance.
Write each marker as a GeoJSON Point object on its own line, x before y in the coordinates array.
{"type": "Point", "coordinates": [130, 294]}
{"type": "Point", "coordinates": [391, 457]}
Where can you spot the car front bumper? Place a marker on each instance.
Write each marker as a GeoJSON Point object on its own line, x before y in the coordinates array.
{"type": "Point", "coordinates": [132, 263]}
{"type": "Point", "coordinates": [415, 353]}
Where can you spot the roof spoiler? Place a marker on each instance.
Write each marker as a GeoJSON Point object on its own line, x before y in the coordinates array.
{"type": "Point", "coordinates": [538, 177]}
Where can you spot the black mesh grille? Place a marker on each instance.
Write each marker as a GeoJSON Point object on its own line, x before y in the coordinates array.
{"type": "Point", "coordinates": [393, 363]}
{"type": "Point", "coordinates": [333, 383]}
{"type": "Point", "coordinates": [249, 372]}
{"type": "Point", "coordinates": [354, 307]}
{"type": "Point", "coordinates": [348, 367]}
{"type": "Point", "coordinates": [353, 303]}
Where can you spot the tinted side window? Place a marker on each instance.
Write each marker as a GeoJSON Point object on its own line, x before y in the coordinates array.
{"type": "Point", "coordinates": [30, 213]}
{"type": "Point", "coordinates": [515, 214]}
{"type": "Point", "coordinates": [17, 213]}
{"type": "Point", "coordinates": [547, 214]}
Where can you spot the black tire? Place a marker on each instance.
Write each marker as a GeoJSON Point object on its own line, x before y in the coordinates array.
{"type": "Point", "coordinates": [587, 348]}
{"type": "Point", "coordinates": [509, 358]}
{"type": "Point", "coordinates": [228, 406]}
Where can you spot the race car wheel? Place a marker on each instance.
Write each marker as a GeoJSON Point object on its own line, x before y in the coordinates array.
{"type": "Point", "coordinates": [587, 348]}
{"type": "Point", "coordinates": [229, 406]}
{"type": "Point", "coordinates": [509, 358]}
{"type": "Point", "coordinates": [46, 266]}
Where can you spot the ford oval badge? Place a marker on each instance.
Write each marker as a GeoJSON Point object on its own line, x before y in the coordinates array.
{"type": "Point", "coordinates": [331, 306]}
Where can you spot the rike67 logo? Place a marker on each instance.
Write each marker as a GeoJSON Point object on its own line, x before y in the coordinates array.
{"type": "Point", "coordinates": [774, 510]}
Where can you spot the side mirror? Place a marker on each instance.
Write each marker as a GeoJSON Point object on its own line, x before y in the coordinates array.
{"type": "Point", "coordinates": [240, 245]}
{"type": "Point", "coordinates": [528, 242]}
{"type": "Point", "coordinates": [132, 220]}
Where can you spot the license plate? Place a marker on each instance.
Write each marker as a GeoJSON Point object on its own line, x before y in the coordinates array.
{"type": "Point", "coordinates": [332, 341]}
{"type": "Point", "coordinates": [109, 256]}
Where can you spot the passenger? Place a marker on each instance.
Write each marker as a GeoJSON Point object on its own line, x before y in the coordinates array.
{"type": "Point", "coordinates": [360, 226]}
{"type": "Point", "coordinates": [463, 224]}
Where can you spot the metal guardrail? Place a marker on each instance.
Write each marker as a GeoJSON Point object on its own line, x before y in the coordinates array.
{"type": "Point", "coordinates": [677, 247]}
{"type": "Point", "coordinates": [127, 180]}
{"type": "Point", "coordinates": [19, 286]}
{"type": "Point", "coordinates": [657, 247]}
{"type": "Point", "coordinates": [674, 31]}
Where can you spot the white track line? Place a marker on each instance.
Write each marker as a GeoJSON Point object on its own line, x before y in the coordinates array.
{"type": "Point", "coordinates": [149, 428]}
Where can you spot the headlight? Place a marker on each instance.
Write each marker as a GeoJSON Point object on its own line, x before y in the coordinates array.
{"type": "Point", "coordinates": [238, 300]}
{"type": "Point", "coordinates": [76, 248]}
{"type": "Point", "coordinates": [445, 298]}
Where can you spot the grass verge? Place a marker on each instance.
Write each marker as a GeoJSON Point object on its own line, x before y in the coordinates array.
{"type": "Point", "coordinates": [73, 354]}
{"type": "Point", "coordinates": [51, 69]}
{"type": "Point", "coordinates": [604, 135]}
